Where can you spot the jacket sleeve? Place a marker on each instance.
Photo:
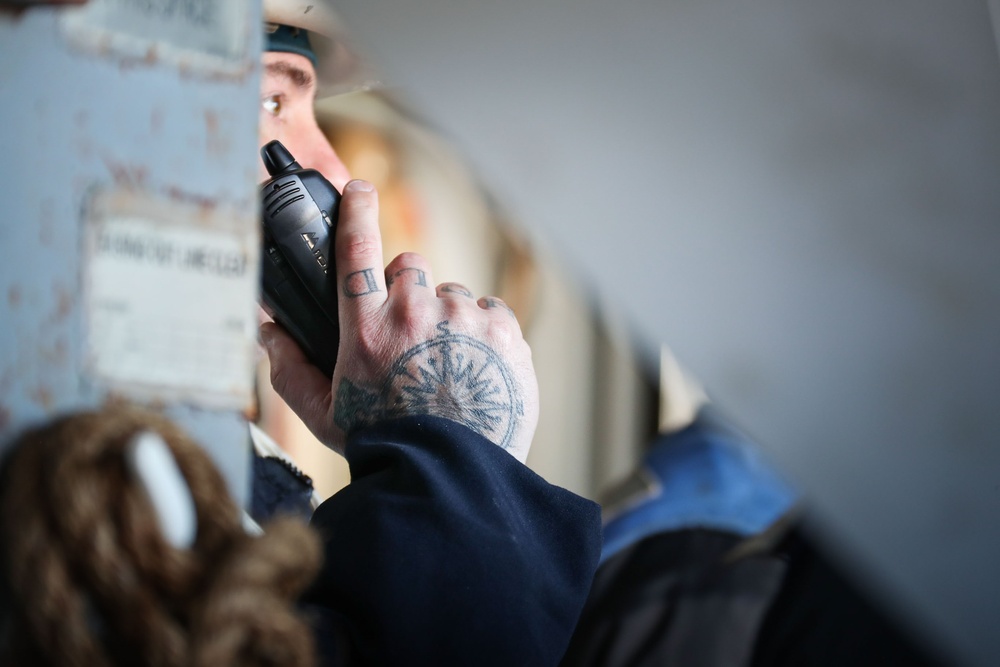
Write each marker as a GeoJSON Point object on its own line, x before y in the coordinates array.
{"type": "Point", "coordinates": [445, 550]}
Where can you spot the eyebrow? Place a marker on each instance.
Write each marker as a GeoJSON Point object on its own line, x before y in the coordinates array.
{"type": "Point", "coordinates": [296, 75]}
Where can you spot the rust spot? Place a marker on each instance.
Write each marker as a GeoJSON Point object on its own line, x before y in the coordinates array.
{"type": "Point", "coordinates": [217, 142]}
{"type": "Point", "coordinates": [150, 57]}
{"type": "Point", "coordinates": [211, 122]}
{"type": "Point", "coordinates": [187, 71]}
{"type": "Point", "coordinates": [14, 296]}
{"type": "Point", "coordinates": [206, 204]}
{"type": "Point", "coordinates": [64, 306]}
{"type": "Point", "coordinates": [43, 397]}
{"type": "Point", "coordinates": [64, 302]}
{"type": "Point", "coordinates": [132, 177]}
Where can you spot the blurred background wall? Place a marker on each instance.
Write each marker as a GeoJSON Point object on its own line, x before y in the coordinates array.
{"type": "Point", "coordinates": [801, 200]}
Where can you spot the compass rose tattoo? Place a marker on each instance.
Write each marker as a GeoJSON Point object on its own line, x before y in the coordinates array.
{"type": "Point", "coordinates": [452, 376]}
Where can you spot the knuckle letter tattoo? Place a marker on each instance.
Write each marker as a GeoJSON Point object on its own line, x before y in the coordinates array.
{"type": "Point", "coordinates": [497, 303]}
{"type": "Point", "coordinates": [360, 283]}
{"type": "Point", "coordinates": [455, 288]}
{"type": "Point", "coordinates": [421, 276]}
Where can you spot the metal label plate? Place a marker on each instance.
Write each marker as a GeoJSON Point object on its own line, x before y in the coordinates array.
{"type": "Point", "coordinates": [206, 36]}
{"type": "Point", "coordinates": [170, 301]}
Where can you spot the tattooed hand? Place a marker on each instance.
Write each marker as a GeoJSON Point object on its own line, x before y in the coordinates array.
{"type": "Point", "coordinates": [407, 348]}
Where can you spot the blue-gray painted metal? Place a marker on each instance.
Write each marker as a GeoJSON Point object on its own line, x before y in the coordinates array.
{"type": "Point", "coordinates": [72, 121]}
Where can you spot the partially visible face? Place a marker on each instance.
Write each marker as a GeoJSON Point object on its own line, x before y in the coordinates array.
{"type": "Point", "coordinates": [287, 92]}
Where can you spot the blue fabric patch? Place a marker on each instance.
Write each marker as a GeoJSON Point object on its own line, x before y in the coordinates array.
{"type": "Point", "coordinates": [708, 476]}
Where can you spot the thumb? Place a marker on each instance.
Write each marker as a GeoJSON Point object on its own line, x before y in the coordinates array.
{"type": "Point", "coordinates": [299, 383]}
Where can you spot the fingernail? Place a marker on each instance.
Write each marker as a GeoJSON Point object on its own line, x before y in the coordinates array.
{"type": "Point", "coordinates": [358, 186]}
{"type": "Point", "coordinates": [266, 337]}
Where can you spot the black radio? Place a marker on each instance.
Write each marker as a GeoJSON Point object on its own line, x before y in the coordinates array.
{"type": "Point", "coordinates": [299, 280]}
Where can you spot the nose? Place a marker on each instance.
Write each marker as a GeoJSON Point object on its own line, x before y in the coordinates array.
{"type": "Point", "coordinates": [313, 151]}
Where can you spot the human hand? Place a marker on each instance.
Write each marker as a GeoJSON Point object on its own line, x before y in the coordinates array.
{"type": "Point", "coordinates": [407, 348]}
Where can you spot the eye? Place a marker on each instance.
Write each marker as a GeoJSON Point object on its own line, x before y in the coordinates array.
{"type": "Point", "coordinates": [272, 104]}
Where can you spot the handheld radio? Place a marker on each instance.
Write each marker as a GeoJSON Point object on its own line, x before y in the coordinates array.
{"type": "Point", "coordinates": [299, 280]}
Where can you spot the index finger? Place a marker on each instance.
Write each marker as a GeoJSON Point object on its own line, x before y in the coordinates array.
{"type": "Point", "coordinates": [358, 250]}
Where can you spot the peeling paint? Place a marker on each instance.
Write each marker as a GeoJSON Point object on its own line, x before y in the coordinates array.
{"type": "Point", "coordinates": [216, 141]}
{"type": "Point", "coordinates": [206, 205]}
{"type": "Point", "coordinates": [211, 122]}
{"type": "Point", "coordinates": [64, 302]}
{"type": "Point", "coordinates": [207, 44]}
{"type": "Point", "coordinates": [189, 72]}
{"type": "Point", "coordinates": [132, 177]}
{"type": "Point", "coordinates": [149, 58]}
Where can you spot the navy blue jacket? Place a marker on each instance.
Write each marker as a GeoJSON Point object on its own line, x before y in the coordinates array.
{"type": "Point", "coordinates": [445, 550]}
